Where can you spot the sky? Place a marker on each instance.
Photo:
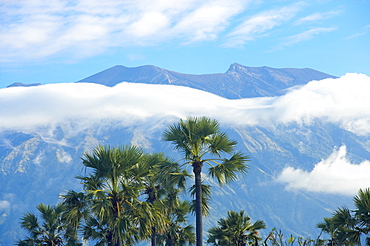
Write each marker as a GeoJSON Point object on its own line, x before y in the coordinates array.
{"type": "Point", "coordinates": [65, 41]}
{"type": "Point", "coordinates": [342, 101]}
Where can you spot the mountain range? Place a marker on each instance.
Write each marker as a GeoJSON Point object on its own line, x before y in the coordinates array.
{"type": "Point", "coordinates": [238, 82]}
{"type": "Point", "coordinates": [39, 164]}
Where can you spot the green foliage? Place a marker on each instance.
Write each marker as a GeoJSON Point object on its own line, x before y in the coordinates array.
{"type": "Point", "coordinates": [129, 196]}
{"type": "Point", "coordinates": [202, 142]}
{"type": "Point", "coordinates": [236, 229]}
{"type": "Point", "coordinates": [346, 227]}
{"type": "Point", "coordinates": [121, 202]}
{"type": "Point", "coordinates": [206, 198]}
{"type": "Point", "coordinates": [276, 238]}
{"type": "Point", "coordinates": [50, 228]}
{"type": "Point", "coordinates": [178, 232]}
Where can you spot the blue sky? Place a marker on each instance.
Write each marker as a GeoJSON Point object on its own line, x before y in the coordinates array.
{"type": "Point", "coordinates": [65, 41]}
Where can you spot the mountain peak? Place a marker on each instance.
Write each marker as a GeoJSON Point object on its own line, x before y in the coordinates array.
{"type": "Point", "coordinates": [235, 67]}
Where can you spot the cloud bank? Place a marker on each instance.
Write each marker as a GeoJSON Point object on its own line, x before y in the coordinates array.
{"type": "Point", "coordinates": [78, 106]}
{"type": "Point", "coordinates": [336, 174]}
{"type": "Point", "coordinates": [343, 101]}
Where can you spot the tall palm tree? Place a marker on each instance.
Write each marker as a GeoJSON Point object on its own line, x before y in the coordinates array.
{"type": "Point", "coordinates": [49, 231]}
{"type": "Point", "coordinates": [202, 142]}
{"type": "Point", "coordinates": [206, 197]}
{"type": "Point", "coordinates": [236, 229]}
{"type": "Point", "coordinates": [113, 189]}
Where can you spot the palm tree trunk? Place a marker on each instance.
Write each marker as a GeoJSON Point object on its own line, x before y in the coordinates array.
{"type": "Point", "coordinates": [169, 240]}
{"type": "Point", "coordinates": [154, 235]}
{"type": "Point", "coordinates": [197, 169]}
{"type": "Point", "coordinates": [119, 243]}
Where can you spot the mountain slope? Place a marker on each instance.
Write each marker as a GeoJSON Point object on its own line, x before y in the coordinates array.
{"type": "Point", "coordinates": [36, 170]}
{"type": "Point", "coordinates": [238, 82]}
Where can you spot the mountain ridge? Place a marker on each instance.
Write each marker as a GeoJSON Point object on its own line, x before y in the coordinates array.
{"type": "Point", "coordinates": [237, 82]}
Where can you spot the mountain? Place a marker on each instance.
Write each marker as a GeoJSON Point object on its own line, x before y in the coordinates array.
{"type": "Point", "coordinates": [238, 82]}
{"type": "Point", "coordinates": [37, 164]}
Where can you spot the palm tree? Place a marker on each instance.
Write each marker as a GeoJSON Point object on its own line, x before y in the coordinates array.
{"type": "Point", "coordinates": [76, 210]}
{"type": "Point", "coordinates": [202, 142]}
{"type": "Point", "coordinates": [346, 227]}
{"type": "Point", "coordinates": [206, 197]}
{"type": "Point", "coordinates": [113, 189]}
{"type": "Point", "coordinates": [50, 231]}
{"type": "Point", "coordinates": [236, 229]}
{"type": "Point", "coordinates": [362, 212]}
{"type": "Point", "coordinates": [178, 232]}
{"type": "Point", "coordinates": [162, 176]}
{"type": "Point", "coordinates": [349, 225]}
{"type": "Point", "coordinates": [328, 227]}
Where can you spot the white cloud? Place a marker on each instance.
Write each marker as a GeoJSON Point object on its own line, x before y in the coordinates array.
{"type": "Point", "coordinates": [77, 29]}
{"type": "Point", "coordinates": [63, 156]}
{"type": "Point", "coordinates": [364, 31]}
{"type": "Point", "coordinates": [260, 23]}
{"type": "Point", "coordinates": [318, 17]}
{"type": "Point", "coordinates": [343, 101]}
{"type": "Point", "coordinates": [336, 175]}
{"type": "Point", "coordinates": [35, 29]}
{"type": "Point", "coordinates": [306, 35]}
{"type": "Point", "coordinates": [208, 20]}
{"type": "Point", "coordinates": [4, 205]}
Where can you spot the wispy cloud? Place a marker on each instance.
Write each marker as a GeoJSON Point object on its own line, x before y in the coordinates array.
{"type": "Point", "coordinates": [336, 175]}
{"type": "Point", "coordinates": [365, 31]}
{"type": "Point", "coordinates": [318, 16]}
{"type": "Point", "coordinates": [305, 36]}
{"type": "Point", "coordinates": [259, 24]}
{"type": "Point", "coordinates": [35, 29]}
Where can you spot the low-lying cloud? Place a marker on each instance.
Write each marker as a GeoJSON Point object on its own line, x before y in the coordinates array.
{"type": "Point", "coordinates": [343, 101]}
{"type": "Point", "coordinates": [78, 106]}
{"type": "Point", "coordinates": [336, 175]}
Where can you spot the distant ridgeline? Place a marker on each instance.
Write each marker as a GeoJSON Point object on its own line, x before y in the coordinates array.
{"type": "Point", "coordinates": [19, 84]}
{"type": "Point", "coordinates": [238, 82]}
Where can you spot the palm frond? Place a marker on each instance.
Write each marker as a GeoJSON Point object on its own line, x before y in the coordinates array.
{"type": "Point", "coordinates": [227, 170]}
{"type": "Point", "coordinates": [29, 222]}
{"type": "Point", "coordinates": [362, 203]}
{"type": "Point", "coordinates": [220, 143]}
